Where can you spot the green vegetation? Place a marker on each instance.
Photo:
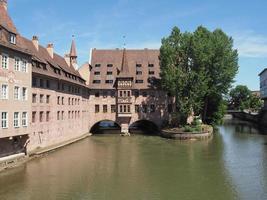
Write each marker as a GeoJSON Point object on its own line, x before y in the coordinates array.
{"type": "Point", "coordinates": [241, 98]}
{"type": "Point", "coordinates": [198, 69]}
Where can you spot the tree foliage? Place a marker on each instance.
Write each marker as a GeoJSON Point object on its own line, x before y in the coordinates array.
{"type": "Point", "coordinates": [242, 98]}
{"type": "Point", "coordinates": [198, 69]}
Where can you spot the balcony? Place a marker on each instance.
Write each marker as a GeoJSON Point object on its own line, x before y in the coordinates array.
{"type": "Point", "coordinates": [124, 100]}
{"type": "Point", "coordinates": [124, 114]}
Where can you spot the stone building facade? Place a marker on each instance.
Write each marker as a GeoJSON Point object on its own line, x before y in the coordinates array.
{"type": "Point", "coordinates": [263, 86]}
{"type": "Point", "coordinates": [44, 101]}
{"type": "Point", "coordinates": [124, 88]}
{"type": "Point", "coordinates": [15, 87]}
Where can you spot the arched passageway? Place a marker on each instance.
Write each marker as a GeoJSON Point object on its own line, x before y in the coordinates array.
{"type": "Point", "coordinates": [105, 127]}
{"type": "Point", "coordinates": [144, 127]}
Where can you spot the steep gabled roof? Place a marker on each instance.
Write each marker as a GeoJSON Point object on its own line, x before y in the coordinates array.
{"type": "Point", "coordinates": [124, 71]}
{"type": "Point", "coordinates": [6, 21]}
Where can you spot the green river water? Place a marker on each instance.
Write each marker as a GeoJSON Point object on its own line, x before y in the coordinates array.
{"type": "Point", "coordinates": [232, 165]}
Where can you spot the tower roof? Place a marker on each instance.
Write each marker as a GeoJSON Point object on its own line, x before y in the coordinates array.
{"type": "Point", "coordinates": [73, 52]}
{"type": "Point", "coordinates": [5, 20]}
{"type": "Point", "coordinates": [124, 72]}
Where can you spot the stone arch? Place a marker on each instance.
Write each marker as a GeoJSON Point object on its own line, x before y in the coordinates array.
{"type": "Point", "coordinates": [143, 126]}
{"type": "Point", "coordinates": [105, 126]}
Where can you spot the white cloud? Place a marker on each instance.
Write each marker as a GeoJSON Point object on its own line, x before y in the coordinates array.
{"type": "Point", "coordinates": [250, 44]}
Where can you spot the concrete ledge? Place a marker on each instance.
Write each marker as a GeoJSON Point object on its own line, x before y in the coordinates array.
{"type": "Point", "coordinates": [186, 136]}
{"type": "Point", "coordinates": [53, 147]}
{"type": "Point", "coordinates": [12, 161]}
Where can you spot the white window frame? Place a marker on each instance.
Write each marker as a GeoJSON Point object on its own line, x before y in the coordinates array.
{"type": "Point", "coordinates": [4, 65]}
{"type": "Point", "coordinates": [4, 120]}
{"type": "Point", "coordinates": [12, 38]}
{"type": "Point", "coordinates": [24, 119]}
{"type": "Point", "coordinates": [5, 97]}
{"type": "Point", "coordinates": [16, 93]}
{"type": "Point", "coordinates": [17, 64]}
{"type": "Point", "coordinates": [16, 120]}
{"type": "Point", "coordinates": [24, 96]}
{"type": "Point", "coordinates": [24, 67]}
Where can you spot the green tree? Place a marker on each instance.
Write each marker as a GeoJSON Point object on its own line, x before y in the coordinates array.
{"type": "Point", "coordinates": [198, 69]}
{"type": "Point", "coordinates": [241, 98]}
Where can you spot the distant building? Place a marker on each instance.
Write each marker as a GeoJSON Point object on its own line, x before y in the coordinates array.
{"type": "Point", "coordinates": [263, 86]}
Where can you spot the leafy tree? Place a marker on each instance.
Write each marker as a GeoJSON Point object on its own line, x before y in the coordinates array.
{"type": "Point", "coordinates": [198, 69]}
{"type": "Point", "coordinates": [241, 98]}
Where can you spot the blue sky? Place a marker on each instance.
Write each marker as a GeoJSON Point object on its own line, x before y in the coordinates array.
{"type": "Point", "coordinates": [103, 23]}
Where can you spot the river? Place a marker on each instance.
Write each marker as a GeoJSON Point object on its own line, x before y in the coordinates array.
{"type": "Point", "coordinates": [231, 165]}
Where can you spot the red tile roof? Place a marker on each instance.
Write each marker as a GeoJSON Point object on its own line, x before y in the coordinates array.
{"type": "Point", "coordinates": [114, 57]}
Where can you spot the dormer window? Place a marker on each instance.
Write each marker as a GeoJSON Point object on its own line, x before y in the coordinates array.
{"type": "Point", "coordinates": [12, 38]}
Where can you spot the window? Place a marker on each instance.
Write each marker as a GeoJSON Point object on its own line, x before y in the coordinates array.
{"type": "Point", "coordinates": [17, 64]}
{"type": "Point", "coordinates": [47, 99]}
{"type": "Point", "coordinates": [24, 94]}
{"type": "Point", "coordinates": [128, 93]}
{"type": "Point", "coordinates": [96, 81]}
{"type": "Point", "coordinates": [58, 115]}
{"type": "Point", "coordinates": [128, 108]}
{"type": "Point", "coordinates": [4, 120]}
{"type": "Point", "coordinates": [58, 100]}
{"type": "Point", "coordinates": [69, 101]}
{"type": "Point", "coordinates": [97, 94]}
{"type": "Point", "coordinates": [33, 117]}
{"type": "Point", "coordinates": [96, 108]}
{"type": "Point", "coordinates": [62, 115]}
{"type": "Point", "coordinates": [121, 94]}
{"type": "Point", "coordinates": [24, 66]}
{"type": "Point", "coordinates": [150, 65]}
{"type": "Point", "coordinates": [41, 98]}
{"type": "Point", "coordinates": [16, 120]}
{"type": "Point", "coordinates": [4, 92]}
{"type": "Point", "coordinates": [16, 93]}
{"type": "Point", "coordinates": [136, 93]}
{"type": "Point", "coordinates": [47, 116]}
{"type": "Point", "coordinates": [34, 82]}
{"type": "Point", "coordinates": [4, 61]}
{"type": "Point", "coordinates": [139, 72]}
{"type": "Point", "coordinates": [109, 81]}
{"type": "Point", "coordinates": [24, 119]}
{"type": "Point", "coordinates": [138, 65]}
{"type": "Point", "coordinates": [41, 83]}
{"type": "Point", "coordinates": [113, 108]}
{"type": "Point", "coordinates": [47, 83]}
{"type": "Point", "coordinates": [144, 108]}
{"type": "Point", "coordinates": [137, 110]}
{"type": "Point", "coordinates": [151, 72]}
{"type": "Point", "coordinates": [109, 73]}
{"type": "Point", "coordinates": [139, 81]}
{"type": "Point", "coordinates": [144, 94]}
{"type": "Point", "coordinates": [97, 73]}
{"type": "Point", "coordinates": [121, 109]}
{"type": "Point", "coordinates": [105, 94]}
{"type": "Point", "coordinates": [97, 65]}
{"type": "Point", "coordinates": [109, 65]}
{"type": "Point", "coordinates": [152, 108]}
{"type": "Point", "coordinates": [105, 108]}
{"type": "Point", "coordinates": [34, 98]}
{"type": "Point", "coordinates": [41, 117]}
{"type": "Point", "coordinates": [12, 38]}
{"type": "Point", "coordinates": [62, 100]}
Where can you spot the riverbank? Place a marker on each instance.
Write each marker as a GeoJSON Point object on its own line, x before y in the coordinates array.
{"type": "Point", "coordinates": [16, 160]}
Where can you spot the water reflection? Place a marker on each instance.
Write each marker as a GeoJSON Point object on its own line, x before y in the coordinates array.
{"type": "Point", "coordinates": [230, 166]}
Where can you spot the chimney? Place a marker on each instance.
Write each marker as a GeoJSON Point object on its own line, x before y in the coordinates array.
{"type": "Point", "coordinates": [35, 42]}
{"type": "Point", "coordinates": [67, 59]}
{"type": "Point", "coordinates": [3, 3]}
{"type": "Point", "coordinates": [50, 50]}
